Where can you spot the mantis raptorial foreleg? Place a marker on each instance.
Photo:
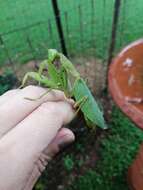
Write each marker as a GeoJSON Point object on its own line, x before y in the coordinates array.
{"type": "Point", "coordinates": [32, 75]}
{"type": "Point", "coordinates": [80, 103]}
{"type": "Point", "coordinates": [42, 79]}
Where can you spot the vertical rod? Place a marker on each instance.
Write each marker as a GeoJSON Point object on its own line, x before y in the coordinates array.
{"type": "Point", "coordinates": [59, 26]}
{"type": "Point", "coordinates": [114, 29]}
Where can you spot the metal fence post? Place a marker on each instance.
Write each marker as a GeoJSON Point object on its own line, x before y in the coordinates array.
{"type": "Point", "coordinates": [59, 26]}
{"type": "Point", "coordinates": [114, 29]}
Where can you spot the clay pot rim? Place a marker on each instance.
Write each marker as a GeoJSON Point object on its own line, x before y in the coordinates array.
{"type": "Point", "coordinates": [127, 108]}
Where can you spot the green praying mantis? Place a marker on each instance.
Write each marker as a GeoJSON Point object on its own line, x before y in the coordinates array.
{"type": "Point", "coordinates": [65, 77]}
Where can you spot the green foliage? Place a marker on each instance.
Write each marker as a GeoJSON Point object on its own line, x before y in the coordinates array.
{"type": "Point", "coordinates": [117, 150]}
{"type": "Point", "coordinates": [68, 162]}
{"type": "Point", "coordinates": [7, 81]}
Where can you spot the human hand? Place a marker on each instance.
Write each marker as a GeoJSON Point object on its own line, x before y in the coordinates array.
{"type": "Point", "coordinates": [31, 134]}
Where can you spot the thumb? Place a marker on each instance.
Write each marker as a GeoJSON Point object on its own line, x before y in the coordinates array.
{"type": "Point", "coordinates": [63, 138]}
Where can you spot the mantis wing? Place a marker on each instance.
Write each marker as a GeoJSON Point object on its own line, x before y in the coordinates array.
{"type": "Point", "coordinates": [90, 108]}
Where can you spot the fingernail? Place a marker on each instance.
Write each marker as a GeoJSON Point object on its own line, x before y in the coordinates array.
{"type": "Point", "coordinates": [65, 141]}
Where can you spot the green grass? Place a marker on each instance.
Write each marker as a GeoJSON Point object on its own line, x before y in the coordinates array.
{"type": "Point", "coordinates": [117, 150]}
{"type": "Point", "coordinates": [86, 25]}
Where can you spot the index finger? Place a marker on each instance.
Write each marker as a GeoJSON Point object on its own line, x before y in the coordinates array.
{"type": "Point", "coordinates": [15, 109]}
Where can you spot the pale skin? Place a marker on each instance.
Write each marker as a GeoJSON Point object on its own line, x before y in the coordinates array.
{"type": "Point", "coordinates": [31, 133]}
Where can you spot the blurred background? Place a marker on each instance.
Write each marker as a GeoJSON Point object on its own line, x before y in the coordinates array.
{"type": "Point", "coordinates": [87, 25]}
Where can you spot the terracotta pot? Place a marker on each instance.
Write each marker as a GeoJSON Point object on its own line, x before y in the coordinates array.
{"type": "Point", "coordinates": [125, 79]}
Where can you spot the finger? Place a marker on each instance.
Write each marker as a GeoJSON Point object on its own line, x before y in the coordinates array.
{"type": "Point", "coordinates": [8, 95]}
{"type": "Point", "coordinates": [17, 108]}
{"type": "Point", "coordinates": [29, 139]}
{"type": "Point", "coordinates": [40, 127]}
